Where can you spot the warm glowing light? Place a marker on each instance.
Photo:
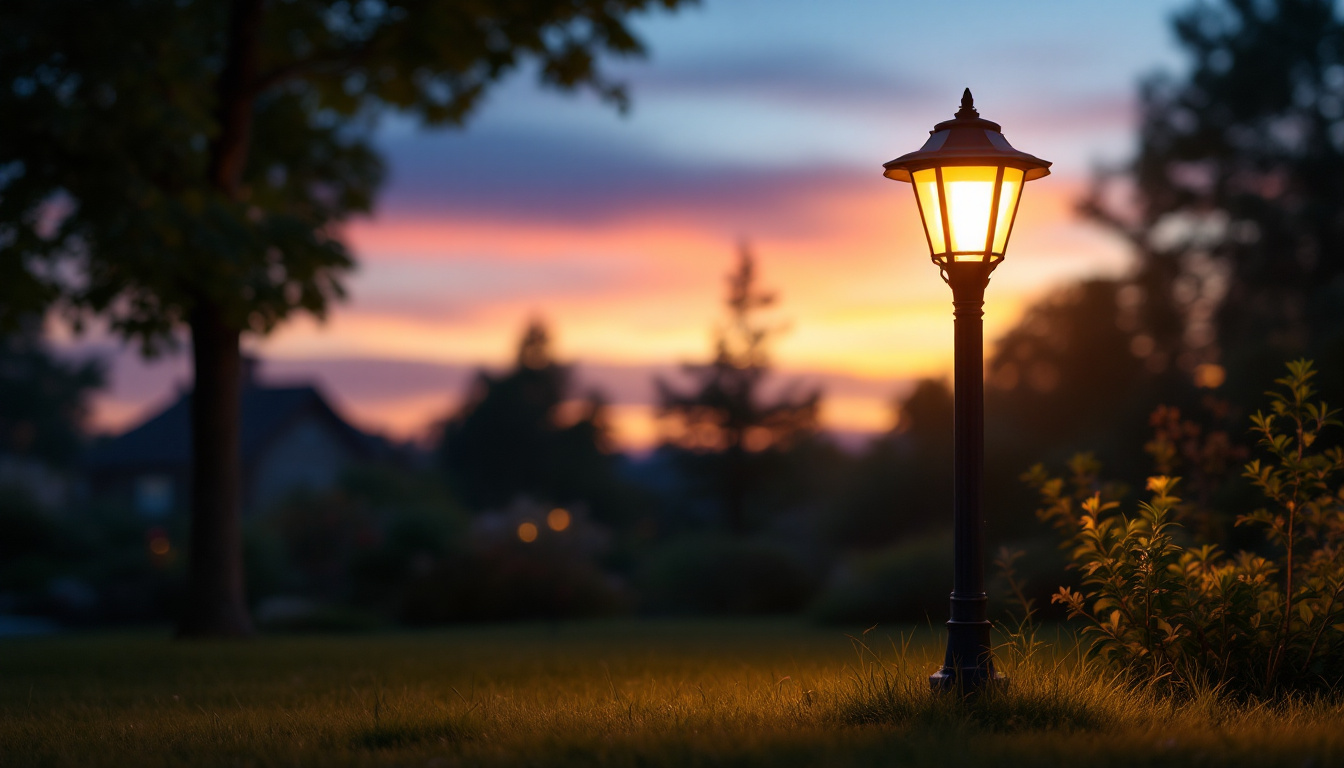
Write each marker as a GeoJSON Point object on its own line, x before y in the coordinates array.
{"type": "Point", "coordinates": [1210, 376]}
{"type": "Point", "coordinates": [968, 192]}
{"type": "Point", "coordinates": [926, 192]}
{"type": "Point", "coordinates": [1009, 192]}
{"type": "Point", "coordinates": [159, 545]}
{"type": "Point", "coordinates": [558, 519]}
{"type": "Point", "coordinates": [527, 532]}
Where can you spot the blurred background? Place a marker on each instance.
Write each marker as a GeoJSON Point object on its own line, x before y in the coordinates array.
{"type": "Point", "coordinates": [690, 357]}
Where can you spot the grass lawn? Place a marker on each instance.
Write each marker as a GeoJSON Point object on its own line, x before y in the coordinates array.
{"type": "Point", "coordinates": [769, 693]}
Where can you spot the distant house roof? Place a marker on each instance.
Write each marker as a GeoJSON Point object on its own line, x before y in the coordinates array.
{"type": "Point", "coordinates": [165, 439]}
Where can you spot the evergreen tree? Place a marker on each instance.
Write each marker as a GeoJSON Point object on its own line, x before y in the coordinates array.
{"type": "Point", "coordinates": [724, 414]}
{"type": "Point", "coordinates": [526, 433]}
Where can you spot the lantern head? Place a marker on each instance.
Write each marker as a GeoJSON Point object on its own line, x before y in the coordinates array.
{"type": "Point", "coordinates": [967, 180]}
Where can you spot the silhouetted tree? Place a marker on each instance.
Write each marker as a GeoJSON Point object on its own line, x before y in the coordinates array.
{"type": "Point", "coordinates": [526, 432]}
{"type": "Point", "coordinates": [44, 401]}
{"type": "Point", "coordinates": [188, 161]}
{"type": "Point", "coordinates": [902, 484]}
{"type": "Point", "coordinates": [1078, 372]}
{"type": "Point", "coordinates": [725, 412]}
{"type": "Point", "coordinates": [1073, 363]}
{"type": "Point", "coordinates": [1237, 210]}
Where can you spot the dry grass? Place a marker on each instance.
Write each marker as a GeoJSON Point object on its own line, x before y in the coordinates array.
{"type": "Point", "coordinates": [606, 694]}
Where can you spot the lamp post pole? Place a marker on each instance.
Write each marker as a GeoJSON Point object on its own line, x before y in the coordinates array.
{"type": "Point", "coordinates": [967, 180]}
{"type": "Point", "coordinates": [968, 664]}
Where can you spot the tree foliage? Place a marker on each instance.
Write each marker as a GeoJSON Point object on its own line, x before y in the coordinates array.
{"type": "Point", "coordinates": [902, 484]}
{"type": "Point", "coordinates": [725, 411]}
{"type": "Point", "coordinates": [528, 433]}
{"type": "Point", "coordinates": [115, 182]}
{"type": "Point", "coordinates": [1238, 188]}
{"type": "Point", "coordinates": [44, 401]}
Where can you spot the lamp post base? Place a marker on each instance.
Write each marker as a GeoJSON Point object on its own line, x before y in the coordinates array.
{"type": "Point", "coordinates": [966, 680]}
{"type": "Point", "coordinates": [968, 666]}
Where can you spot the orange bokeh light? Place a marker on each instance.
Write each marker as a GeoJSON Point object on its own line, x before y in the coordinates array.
{"type": "Point", "coordinates": [558, 519]}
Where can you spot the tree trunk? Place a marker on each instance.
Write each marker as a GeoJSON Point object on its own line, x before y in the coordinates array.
{"type": "Point", "coordinates": [735, 488]}
{"type": "Point", "coordinates": [216, 604]}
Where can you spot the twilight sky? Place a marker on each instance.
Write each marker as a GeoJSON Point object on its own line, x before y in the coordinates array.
{"type": "Point", "coordinates": [764, 121]}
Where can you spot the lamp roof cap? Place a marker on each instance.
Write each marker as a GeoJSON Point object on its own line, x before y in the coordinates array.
{"type": "Point", "coordinates": [966, 139]}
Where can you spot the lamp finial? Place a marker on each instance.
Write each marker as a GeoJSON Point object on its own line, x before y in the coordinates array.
{"type": "Point", "coordinates": [967, 105]}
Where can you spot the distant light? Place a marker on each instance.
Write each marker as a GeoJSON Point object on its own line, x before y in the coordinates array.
{"type": "Point", "coordinates": [558, 519]}
{"type": "Point", "coordinates": [1142, 346]}
{"type": "Point", "coordinates": [1210, 376]}
{"type": "Point", "coordinates": [527, 532]}
{"type": "Point", "coordinates": [160, 546]}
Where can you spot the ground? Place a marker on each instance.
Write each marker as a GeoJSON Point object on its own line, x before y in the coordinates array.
{"type": "Point", "coordinates": [653, 693]}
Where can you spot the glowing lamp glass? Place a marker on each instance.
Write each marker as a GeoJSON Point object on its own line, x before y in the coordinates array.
{"type": "Point", "coordinates": [968, 209]}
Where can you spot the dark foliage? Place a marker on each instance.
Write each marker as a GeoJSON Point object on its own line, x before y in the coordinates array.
{"type": "Point", "coordinates": [358, 544]}
{"type": "Point", "coordinates": [902, 484]}
{"type": "Point", "coordinates": [718, 576]}
{"type": "Point", "coordinates": [44, 401]}
{"type": "Point", "coordinates": [518, 566]}
{"type": "Point", "coordinates": [87, 564]}
{"type": "Point", "coordinates": [725, 415]}
{"type": "Point", "coordinates": [168, 164]}
{"type": "Point", "coordinates": [527, 433]}
{"type": "Point", "coordinates": [1238, 191]}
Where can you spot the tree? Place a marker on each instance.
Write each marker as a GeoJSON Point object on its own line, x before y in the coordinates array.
{"type": "Point", "coordinates": [902, 484]}
{"type": "Point", "coordinates": [1238, 212]}
{"type": "Point", "coordinates": [173, 164]}
{"type": "Point", "coordinates": [1073, 363]}
{"type": "Point", "coordinates": [44, 402]}
{"type": "Point", "coordinates": [724, 413]}
{"type": "Point", "coordinates": [526, 433]}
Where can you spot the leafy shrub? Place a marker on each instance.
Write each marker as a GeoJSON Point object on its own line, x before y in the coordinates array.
{"type": "Point", "coordinates": [358, 544]}
{"type": "Point", "coordinates": [504, 575]}
{"type": "Point", "coordinates": [907, 582]}
{"type": "Point", "coordinates": [1168, 608]}
{"type": "Point", "coordinates": [912, 581]}
{"type": "Point", "coordinates": [713, 575]}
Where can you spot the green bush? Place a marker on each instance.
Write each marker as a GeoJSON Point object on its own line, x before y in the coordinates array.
{"type": "Point", "coordinates": [721, 576]}
{"type": "Point", "coordinates": [1168, 608]}
{"type": "Point", "coordinates": [358, 544]}
{"type": "Point", "coordinates": [907, 582]}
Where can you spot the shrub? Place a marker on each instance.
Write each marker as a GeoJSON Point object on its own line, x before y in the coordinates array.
{"type": "Point", "coordinates": [1166, 607]}
{"type": "Point", "coordinates": [912, 581]}
{"type": "Point", "coordinates": [907, 582]}
{"type": "Point", "coordinates": [713, 575]}
{"type": "Point", "coordinates": [504, 575]}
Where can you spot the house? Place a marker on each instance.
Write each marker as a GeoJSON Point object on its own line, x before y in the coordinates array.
{"type": "Point", "coordinates": [291, 439]}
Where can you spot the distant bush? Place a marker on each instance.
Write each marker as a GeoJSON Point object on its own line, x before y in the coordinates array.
{"type": "Point", "coordinates": [907, 582]}
{"type": "Point", "coordinates": [85, 564]}
{"type": "Point", "coordinates": [1169, 608]}
{"type": "Point", "coordinates": [515, 567]}
{"type": "Point", "coordinates": [358, 544]}
{"type": "Point", "coordinates": [723, 576]}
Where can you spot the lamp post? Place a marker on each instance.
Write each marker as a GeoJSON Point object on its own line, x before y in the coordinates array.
{"type": "Point", "coordinates": [967, 181]}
